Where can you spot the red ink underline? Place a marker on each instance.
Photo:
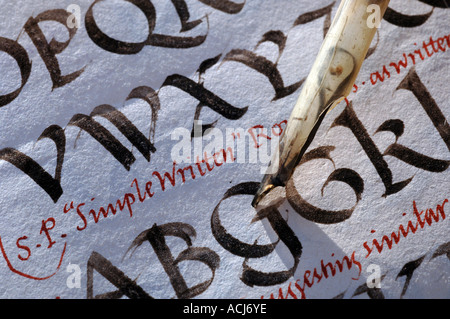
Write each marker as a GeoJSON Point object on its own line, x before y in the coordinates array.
{"type": "Point", "coordinates": [11, 267]}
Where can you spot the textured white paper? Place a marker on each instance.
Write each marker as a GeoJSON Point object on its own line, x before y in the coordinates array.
{"type": "Point", "coordinates": [46, 244]}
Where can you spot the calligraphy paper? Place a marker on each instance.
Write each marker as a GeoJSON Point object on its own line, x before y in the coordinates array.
{"type": "Point", "coordinates": [135, 133]}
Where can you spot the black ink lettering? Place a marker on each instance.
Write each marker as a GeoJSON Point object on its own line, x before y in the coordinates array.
{"type": "Point", "coordinates": [224, 5]}
{"type": "Point", "coordinates": [125, 286]}
{"type": "Point", "coordinates": [56, 134]}
{"type": "Point", "coordinates": [395, 126]}
{"type": "Point", "coordinates": [167, 41]}
{"type": "Point", "coordinates": [372, 49]}
{"type": "Point", "coordinates": [120, 47]}
{"type": "Point", "coordinates": [277, 37]}
{"type": "Point", "coordinates": [349, 119]}
{"type": "Point", "coordinates": [408, 271]}
{"type": "Point", "coordinates": [318, 215]}
{"type": "Point", "coordinates": [443, 249]}
{"type": "Point", "coordinates": [313, 15]}
{"type": "Point", "coordinates": [183, 14]}
{"type": "Point", "coordinates": [19, 54]}
{"type": "Point", "coordinates": [443, 4]}
{"type": "Point", "coordinates": [48, 51]}
{"type": "Point", "coordinates": [104, 137]}
{"type": "Point", "coordinates": [35, 171]}
{"type": "Point", "coordinates": [266, 68]}
{"type": "Point", "coordinates": [126, 127]}
{"type": "Point", "coordinates": [251, 276]}
{"type": "Point", "coordinates": [413, 83]}
{"type": "Point", "coordinates": [416, 159]}
{"type": "Point", "coordinates": [204, 66]}
{"type": "Point", "coordinates": [156, 237]}
{"type": "Point", "coordinates": [407, 155]}
{"type": "Point", "coordinates": [30, 167]}
{"type": "Point", "coordinates": [115, 46]}
{"type": "Point", "coordinates": [204, 96]}
{"type": "Point", "coordinates": [340, 296]}
{"type": "Point", "coordinates": [406, 21]}
{"type": "Point", "coordinates": [149, 95]}
{"type": "Point", "coordinates": [230, 243]}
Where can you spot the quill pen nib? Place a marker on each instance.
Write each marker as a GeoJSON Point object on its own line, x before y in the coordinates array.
{"type": "Point", "coordinates": [263, 190]}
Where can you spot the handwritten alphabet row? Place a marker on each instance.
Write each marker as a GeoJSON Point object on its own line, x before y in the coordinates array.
{"type": "Point", "coordinates": [49, 50]}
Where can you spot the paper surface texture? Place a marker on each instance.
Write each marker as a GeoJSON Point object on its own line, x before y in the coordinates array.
{"type": "Point", "coordinates": [135, 133]}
